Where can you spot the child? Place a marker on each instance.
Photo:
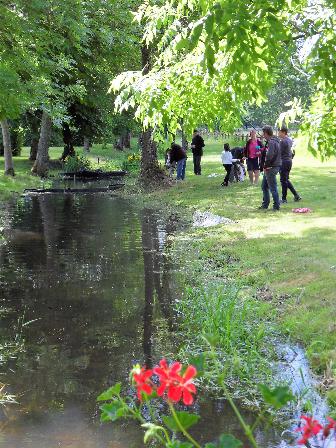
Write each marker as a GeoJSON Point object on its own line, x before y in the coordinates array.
{"type": "Point", "coordinates": [227, 163]}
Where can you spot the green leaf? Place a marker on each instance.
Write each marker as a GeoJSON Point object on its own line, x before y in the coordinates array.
{"type": "Point", "coordinates": [113, 411]}
{"type": "Point", "coordinates": [178, 444]}
{"type": "Point", "coordinates": [218, 13]}
{"type": "Point", "coordinates": [195, 35]}
{"type": "Point", "coordinates": [198, 362]}
{"type": "Point", "coordinates": [211, 339]}
{"type": "Point", "coordinates": [110, 393]}
{"type": "Point", "coordinates": [183, 43]}
{"type": "Point", "coordinates": [209, 24]}
{"type": "Point", "coordinates": [225, 441]}
{"type": "Point", "coordinates": [277, 397]}
{"type": "Point", "coordinates": [228, 441]}
{"type": "Point", "coordinates": [187, 420]}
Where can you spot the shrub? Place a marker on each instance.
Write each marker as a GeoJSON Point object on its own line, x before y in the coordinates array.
{"type": "Point", "coordinates": [76, 163]}
{"type": "Point", "coordinates": [132, 163]}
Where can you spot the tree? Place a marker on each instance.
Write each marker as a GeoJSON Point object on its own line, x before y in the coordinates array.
{"type": "Point", "coordinates": [217, 56]}
{"type": "Point", "coordinates": [16, 71]}
{"type": "Point", "coordinates": [290, 81]}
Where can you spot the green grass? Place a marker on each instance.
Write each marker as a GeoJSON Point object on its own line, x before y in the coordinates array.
{"type": "Point", "coordinates": [284, 258]}
{"type": "Point", "coordinates": [100, 157]}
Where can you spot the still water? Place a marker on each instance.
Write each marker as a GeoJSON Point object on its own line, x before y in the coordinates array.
{"type": "Point", "coordinates": [87, 288]}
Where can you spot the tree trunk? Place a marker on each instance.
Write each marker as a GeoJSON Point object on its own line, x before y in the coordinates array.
{"type": "Point", "coordinates": [41, 164]}
{"type": "Point", "coordinates": [86, 144]}
{"type": "Point", "coordinates": [184, 140]}
{"type": "Point", "coordinates": [9, 167]}
{"type": "Point", "coordinates": [149, 163]}
{"type": "Point", "coordinates": [69, 149]}
{"type": "Point", "coordinates": [150, 170]}
{"type": "Point", "coordinates": [33, 119]}
{"type": "Point", "coordinates": [127, 140]}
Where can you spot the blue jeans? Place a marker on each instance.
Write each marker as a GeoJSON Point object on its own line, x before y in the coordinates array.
{"type": "Point", "coordinates": [269, 183]}
{"type": "Point", "coordinates": [180, 169]}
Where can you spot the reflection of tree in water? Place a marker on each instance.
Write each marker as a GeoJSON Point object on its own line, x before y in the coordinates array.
{"type": "Point", "coordinates": [77, 267]}
{"type": "Point", "coordinates": [157, 274]}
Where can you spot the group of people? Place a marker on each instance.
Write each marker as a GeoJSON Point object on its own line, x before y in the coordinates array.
{"type": "Point", "coordinates": [271, 158]}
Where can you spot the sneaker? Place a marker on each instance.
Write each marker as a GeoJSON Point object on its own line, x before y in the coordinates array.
{"type": "Point", "coordinates": [276, 209]}
{"type": "Point", "coordinates": [262, 207]}
{"type": "Point", "coordinates": [283, 201]}
{"type": "Point", "coordinates": [297, 198]}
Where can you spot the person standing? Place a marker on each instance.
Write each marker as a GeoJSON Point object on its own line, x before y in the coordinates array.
{"type": "Point", "coordinates": [271, 169]}
{"type": "Point", "coordinates": [252, 153]}
{"type": "Point", "coordinates": [286, 144]}
{"type": "Point", "coordinates": [197, 145]}
{"type": "Point", "coordinates": [227, 163]}
{"type": "Point", "coordinates": [178, 155]}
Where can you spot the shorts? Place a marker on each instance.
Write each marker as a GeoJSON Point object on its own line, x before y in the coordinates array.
{"type": "Point", "coordinates": [253, 164]}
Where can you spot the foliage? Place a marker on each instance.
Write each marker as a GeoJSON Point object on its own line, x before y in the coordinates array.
{"type": "Point", "coordinates": [76, 163]}
{"type": "Point", "coordinates": [289, 81]}
{"type": "Point", "coordinates": [215, 57]}
{"type": "Point", "coordinates": [172, 383]}
{"type": "Point", "coordinates": [132, 163]}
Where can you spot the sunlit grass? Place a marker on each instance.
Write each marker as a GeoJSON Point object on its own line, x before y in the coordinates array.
{"type": "Point", "coordinates": [291, 255]}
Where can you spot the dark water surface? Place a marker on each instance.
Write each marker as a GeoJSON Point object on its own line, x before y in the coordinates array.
{"type": "Point", "coordinates": [86, 290]}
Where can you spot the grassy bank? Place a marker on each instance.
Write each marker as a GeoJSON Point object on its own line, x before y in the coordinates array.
{"type": "Point", "coordinates": [99, 156]}
{"type": "Point", "coordinates": [284, 259]}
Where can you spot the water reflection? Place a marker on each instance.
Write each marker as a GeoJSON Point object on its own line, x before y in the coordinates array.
{"type": "Point", "coordinates": [86, 282]}
{"type": "Point", "coordinates": [87, 287]}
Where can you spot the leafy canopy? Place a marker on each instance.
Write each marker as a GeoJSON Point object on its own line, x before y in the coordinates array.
{"type": "Point", "coordinates": [215, 56]}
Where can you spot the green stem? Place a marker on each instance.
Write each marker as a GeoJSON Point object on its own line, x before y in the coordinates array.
{"type": "Point", "coordinates": [246, 428]}
{"type": "Point", "coordinates": [181, 428]}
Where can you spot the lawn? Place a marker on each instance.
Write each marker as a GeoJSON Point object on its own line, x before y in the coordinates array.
{"type": "Point", "coordinates": [285, 258]}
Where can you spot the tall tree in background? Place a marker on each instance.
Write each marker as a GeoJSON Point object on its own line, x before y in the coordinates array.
{"type": "Point", "coordinates": [17, 70]}
{"type": "Point", "coordinates": [217, 56]}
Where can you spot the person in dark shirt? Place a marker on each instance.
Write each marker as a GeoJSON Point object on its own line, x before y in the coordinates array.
{"type": "Point", "coordinates": [197, 145]}
{"type": "Point", "coordinates": [178, 155]}
{"type": "Point", "coordinates": [286, 144]}
{"type": "Point", "coordinates": [271, 169]}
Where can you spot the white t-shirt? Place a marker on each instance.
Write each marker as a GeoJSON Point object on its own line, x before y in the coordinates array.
{"type": "Point", "coordinates": [227, 158]}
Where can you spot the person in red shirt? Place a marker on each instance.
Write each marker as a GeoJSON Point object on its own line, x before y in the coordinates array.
{"type": "Point", "coordinates": [252, 153]}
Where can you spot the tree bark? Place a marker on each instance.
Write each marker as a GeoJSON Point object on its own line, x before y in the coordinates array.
{"type": "Point", "coordinates": [86, 144]}
{"type": "Point", "coordinates": [184, 140]}
{"type": "Point", "coordinates": [9, 167]}
{"type": "Point", "coordinates": [127, 140]}
{"type": "Point", "coordinates": [33, 119]}
{"type": "Point", "coordinates": [150, 170]}
{"type": "Point", "coordinates": [41, 165]}
{"type": "Point", "coordinates": [69, 149]}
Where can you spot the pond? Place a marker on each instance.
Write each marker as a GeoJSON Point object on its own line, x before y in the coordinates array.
{"type": "Point", "coordinates": [87, 288]}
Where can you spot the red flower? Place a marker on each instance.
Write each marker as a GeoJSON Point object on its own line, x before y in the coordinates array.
{"type": "Point", "coordinates": [329, 426]}
{"type": "Point", "coordinates": [310, 429]}
{"type": "Point", "coordinates": [142, 379]}
{"type": "Point", "coordinates": [168, 376]}
{"type": "Point", "coordinates": [184, 387]}
{"type": "Point", "coordinates": [174, 384]}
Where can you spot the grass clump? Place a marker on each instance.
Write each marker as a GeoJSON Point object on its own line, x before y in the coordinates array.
{"type": "Point", "coordinates": [237, 326]}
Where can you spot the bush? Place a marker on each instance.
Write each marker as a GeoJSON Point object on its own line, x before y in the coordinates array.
{"type": "Point", "coordinates": [76, 163]}
{"type": "Point", "coordinates": [132, 163]}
